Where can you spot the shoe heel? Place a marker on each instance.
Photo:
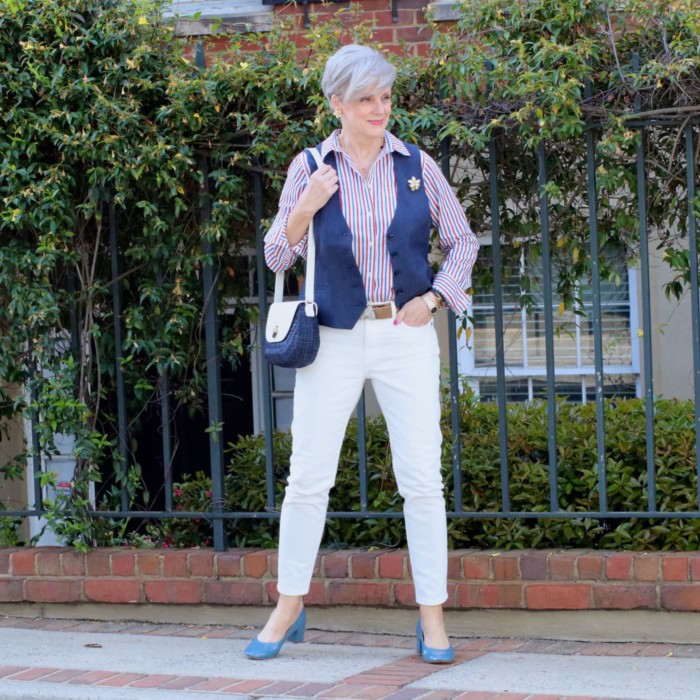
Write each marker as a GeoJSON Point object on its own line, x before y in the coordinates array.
{"type": "Point", "coordinates": [296, 634]}
{"type": "Point", "coordinates": [419, 638]}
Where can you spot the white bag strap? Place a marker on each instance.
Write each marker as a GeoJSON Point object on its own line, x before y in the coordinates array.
{"type": "Point", "coordinates": [310, 259]}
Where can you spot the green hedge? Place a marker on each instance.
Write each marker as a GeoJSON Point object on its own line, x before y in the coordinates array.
{"type": "Point", "coordinates": [625, 449]}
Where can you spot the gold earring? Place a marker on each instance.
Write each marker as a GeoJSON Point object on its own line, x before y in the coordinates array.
{"type": "Point", "coordinates": [338, 114]}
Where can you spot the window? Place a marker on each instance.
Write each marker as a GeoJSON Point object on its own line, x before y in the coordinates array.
{"type": "Point", "coordinates": [524, 337]}
{"type": "Point", "coordinates": [250, 15]}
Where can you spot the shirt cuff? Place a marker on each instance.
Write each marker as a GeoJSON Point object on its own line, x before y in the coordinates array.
{"type": "Point", "coordinates": [454, 295]}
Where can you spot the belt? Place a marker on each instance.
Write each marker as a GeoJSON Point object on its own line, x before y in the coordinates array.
{"type": "Point", "coordinates": [378, 311]}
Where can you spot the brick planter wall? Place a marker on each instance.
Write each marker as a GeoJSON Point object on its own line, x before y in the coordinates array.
{"type": "Point", "coordinates": [529, 580]}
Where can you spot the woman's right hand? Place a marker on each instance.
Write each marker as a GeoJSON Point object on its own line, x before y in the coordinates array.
{"type": "Point", "coordinates": [322, 185]}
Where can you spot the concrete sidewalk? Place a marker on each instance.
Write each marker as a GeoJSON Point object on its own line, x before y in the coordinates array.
{"type": "Point", "coordinates": [50, 658]}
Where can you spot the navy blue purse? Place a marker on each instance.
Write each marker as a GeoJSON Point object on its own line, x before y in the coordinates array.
{"type": "Point", "coordinates": [291, 331]}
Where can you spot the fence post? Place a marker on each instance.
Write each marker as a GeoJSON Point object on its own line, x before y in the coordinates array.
{"type": "Point", "coordinates": [211, 333]}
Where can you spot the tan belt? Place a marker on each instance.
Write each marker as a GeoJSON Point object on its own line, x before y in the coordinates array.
{"type": "Point", "coordinates": [378, 312]}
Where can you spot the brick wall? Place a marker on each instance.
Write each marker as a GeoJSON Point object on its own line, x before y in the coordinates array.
{"type": "Point", "coordinates": [409, 35]}
{"type": "Point", "coordinates": [528, 580]}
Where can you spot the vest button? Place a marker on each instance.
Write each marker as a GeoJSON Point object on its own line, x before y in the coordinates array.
{"type": "Point", "coordinates": [391, 235]}
{"type": "Point", "coordinates": [394, 254]}
{"type": "Point", "coordinates": [397, 273]}
{"type": "Point", "coordinates": [399, 291]}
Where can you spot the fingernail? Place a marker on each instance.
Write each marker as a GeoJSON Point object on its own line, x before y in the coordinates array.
{"type": "Point", "coordinates": [396, 321]}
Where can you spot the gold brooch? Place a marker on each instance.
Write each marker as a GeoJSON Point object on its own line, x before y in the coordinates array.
{"type": "Point", "coordinates": [414, 184]}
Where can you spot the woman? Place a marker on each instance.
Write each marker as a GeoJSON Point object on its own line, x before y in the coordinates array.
{"type": "Point", "coordinates": [373, 202]}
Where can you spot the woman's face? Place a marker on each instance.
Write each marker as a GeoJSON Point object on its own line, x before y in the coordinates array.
{"type": "Point", "coordinates": [367, 115]}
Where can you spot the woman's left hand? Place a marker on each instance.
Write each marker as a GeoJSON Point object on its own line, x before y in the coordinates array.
{"type": "Point", "coordinates": [413, 313]}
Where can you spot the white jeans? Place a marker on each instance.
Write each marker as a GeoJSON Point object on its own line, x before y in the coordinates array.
{"type": "Point", "coordinates": [404, 366]}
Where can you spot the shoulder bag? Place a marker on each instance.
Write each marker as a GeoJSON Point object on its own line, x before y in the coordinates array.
{"type": "Point", "coordinates": [291, 332]}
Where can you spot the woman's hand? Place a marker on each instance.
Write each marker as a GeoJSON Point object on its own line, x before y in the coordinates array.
{"type": "Point", "coordinates": [322, 185]}
{"type": "Point", "coordinates": [413, 313]}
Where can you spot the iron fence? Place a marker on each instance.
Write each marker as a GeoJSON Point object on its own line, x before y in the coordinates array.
{"type": "Point", "coordinates": [218, 515]}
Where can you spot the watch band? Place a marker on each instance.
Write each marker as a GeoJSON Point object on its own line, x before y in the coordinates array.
{"type": "Point", "coordinates": [439, 299]}
{"type": "Point", "coordinates": [430, 302]}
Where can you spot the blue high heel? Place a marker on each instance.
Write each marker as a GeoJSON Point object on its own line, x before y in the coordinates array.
{"type": "Point", "coordinates": [430, 655]}
{"type": "Point", "coordinates": [268, 650]}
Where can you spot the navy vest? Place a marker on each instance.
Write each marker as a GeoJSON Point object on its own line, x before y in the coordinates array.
{"type": "Point", "coordinates": [339, 289]}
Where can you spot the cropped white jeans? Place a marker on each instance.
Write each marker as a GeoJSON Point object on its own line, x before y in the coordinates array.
{"type": "Point", "coordinates": [403, 364]}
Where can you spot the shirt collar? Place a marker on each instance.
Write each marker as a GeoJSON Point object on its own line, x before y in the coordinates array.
{"type": "Point", "coordinates": [390, 142]}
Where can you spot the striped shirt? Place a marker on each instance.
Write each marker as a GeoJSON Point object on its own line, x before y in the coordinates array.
{"type": "Point", "coordinates": [368, 207]}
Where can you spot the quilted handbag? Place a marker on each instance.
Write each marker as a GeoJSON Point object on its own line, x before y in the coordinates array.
{"type": "Point", "coordinates": [291, 331]}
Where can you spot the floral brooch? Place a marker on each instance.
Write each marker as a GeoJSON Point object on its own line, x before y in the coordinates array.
{"type": "Point", "coordinates": [414, 184]}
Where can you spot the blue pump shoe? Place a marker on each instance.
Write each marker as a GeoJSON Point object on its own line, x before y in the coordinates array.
{"type": "Point", "coordinates": [430, 655]}
{"type": "Point", "coordinates": [268, 650]}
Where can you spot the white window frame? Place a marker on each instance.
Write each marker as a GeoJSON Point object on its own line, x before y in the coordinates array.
{"type": "Point", "coordinates": [472, 373]}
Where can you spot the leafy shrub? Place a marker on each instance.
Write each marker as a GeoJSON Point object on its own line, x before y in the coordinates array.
{"type": "Point", "coordinates": [577, 482]}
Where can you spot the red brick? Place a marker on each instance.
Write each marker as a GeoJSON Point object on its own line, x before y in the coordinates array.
{"type": "Point", "coordinates": [616, 597]}
{"type": "Point", "coordinates": [31, 674]}
{"type": "Point", "coordinates": [391, 565]}
{"type": "Point", "coordinates": [422, 48]}
{"type": "Point", "coordinates": [342, 593]}
{"type": "Point", "coordinates": [5, 560]}
{"type": "Point", "coordinates": [255, 564]}
{"type": "Point", "coordinates": [73, 563]}
{"type": "Point", "coordinates": [383, 34]}
{"type": "Point", "coordinates": [414, 34]}
{"type": "Point", "coordinates": [381, 18]}
{"type": "Point", "coordinates": [405, 594]}
{"type": "Point", "coordinates": [272, 563]}
{"type": "Point", "coordinates": [177, 592]}
{"type": "Point", "coordinates": [680, 597]}
{"type": "Point", "coordinates": [454, 566]}
{"type": "Point", "coordinates": [477, 566]}
{"type": "Point", "coordinates": [315, 596]}
{"type": "Point", "coordinates": [97, 563]}
{"type": "Point", "coordinates": [92, 677]}
{"type": "Point", "coordinates": [558, 596]}
{"type": "Point", "coordinates": [121, 680]}
{"type": "Point", "coordinates": [228, 564]}
{"type": "Point", "coordinates": [695, 568]}
{"type": "Point", "coordinates": [646, 566]}
{"type": "Point", "coordinates": [23, 562]}
{"type": "Point", "coordinates": [533, 566]}
{"type": "Point", "coordinates": [232, 592]}
{"type": "Point", "coordinates": [490, 595]}
{"type": "Point", "coordinates": [175, 563]}
{"type": "Point", "coordinates": [48, 563]}
{"type": "Point", "coordinates": [364, 564]}
{"type": "Point", "coordinates": [505, 567]}
{"type": "Point", "coordinates": [336, 565]}
{"type": "Point", "coordinates": [590, 566]}
{"type": "Point", "coordinates": [148, 562]}
{"type": "Point", "coordinates": [56, 591]}
{"type": "Point", "coordinates": [618, 567]}
{"type": "Point", "coordinates": [675, 567]}
{"type": "Point", "coordinates": [202, 563]}
{"type": "Point", "coordinates": [123, 564]}
{"type": "Point", "coordinates": [11, 590]}
{"type": "Point", "coordinates": [180, 682]}
{"type": "Point", "coordinates": [562, 566]}
{"type": "Point", "coordinates": [113, 590]}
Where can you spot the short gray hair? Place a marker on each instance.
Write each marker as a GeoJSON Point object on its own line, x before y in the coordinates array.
{"type": "Point", "coordinates": [353, 70]}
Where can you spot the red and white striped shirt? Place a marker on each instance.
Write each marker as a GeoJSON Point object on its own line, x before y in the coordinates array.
{"type": "Point", "coordinates": [368, 207]}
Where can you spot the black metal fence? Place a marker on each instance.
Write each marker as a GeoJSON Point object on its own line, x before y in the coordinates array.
{"type": "Point", "coordinates": [218, 515]}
